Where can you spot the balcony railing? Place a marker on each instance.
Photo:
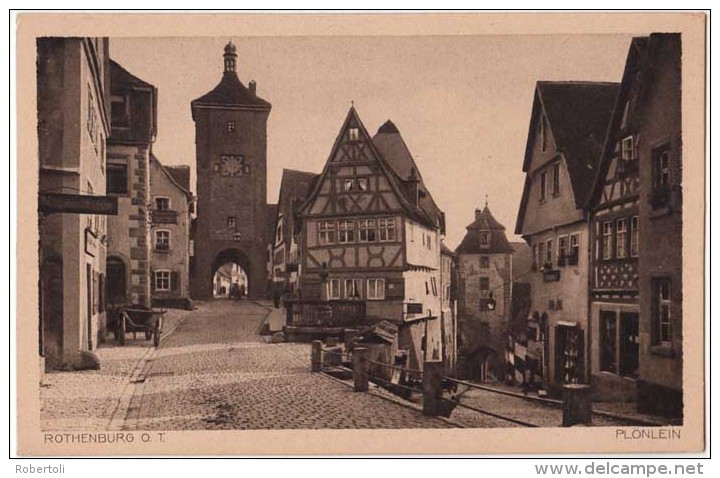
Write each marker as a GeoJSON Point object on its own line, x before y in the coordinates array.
{"type": "Point", "coordinates": [319, 313]}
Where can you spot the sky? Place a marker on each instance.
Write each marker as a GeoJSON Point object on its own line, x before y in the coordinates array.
{"type": "Point", "coordinates": [461, 103]}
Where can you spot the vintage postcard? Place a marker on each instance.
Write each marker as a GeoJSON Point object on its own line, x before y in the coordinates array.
{"type": "Point", "coordinates": [334, 234]}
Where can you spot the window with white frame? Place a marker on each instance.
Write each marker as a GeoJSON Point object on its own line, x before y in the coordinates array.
{"type": "Point", "coordinates": [635, 236]}
{"type": "Point", "coordinates": [230, 126]}
{"type": "Point", "coordinates": [162, 280]}
{"type": "Point", "coordinates": [333, 289]}
{"type": "Point", "coordinates": [607, 232]}
{"type": "Point", "coordinates": [367, 230]}
{"type": "Point", "coordinates": [348, 184]}
{"type": "Point", "coordinates": [231, 221]}
{"type": "Point", "coordinates": [162, 240]}
{"type": "Point", "coordinates": [621, 239]}
{"type": "Point", "coordinates": [574, 252]}
{"type": "Point", "coordinates": [562, 249]}
{"type": "Point", "coordinates": [162, 203]}
{"type": "Point", "coordinates": [662, 330]}
{"type": "Point", "coordinates": [628, 149]}
{"type": "Point", "coordinates": [346, 231]}
{"type": "Point", "coordinates": [386, 229]}
{"type": "Point", "coordinates": [326, 232]}
{"type": "Point", "coordinates": [353, 288]}
{"type": "Point", "coordinates": [353, 134]}
{"type": "Point", "coordinates": [376, 289]}
{"type": "Point", "coordinates": [362, 184]}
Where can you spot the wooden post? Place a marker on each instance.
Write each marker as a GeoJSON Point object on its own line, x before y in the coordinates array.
{"type": "Point", "coordinates": [577, 405]}
{"type": "Point", "coordinates": [360, 369]}
{"type": "Point", "coordinates": [316, 358]}
{"type": "Point", "coordinates": [432, 388]}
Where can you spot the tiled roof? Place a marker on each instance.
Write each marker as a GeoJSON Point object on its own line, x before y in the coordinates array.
{"type": "Point", "coordinates": [123, 79]}
{"type": "Point", "coordinates": [181, 174]}
{"type": "Point", "coordinates": [172, 178]}
{"type": "Point", "coordinates": [578, 114]}
{"type": "Point", "coordinates": [390, 144]}
{"type": "Point", "coordinates": [231, 92]}
{"type": "Point", "coordinates": [484, 222]}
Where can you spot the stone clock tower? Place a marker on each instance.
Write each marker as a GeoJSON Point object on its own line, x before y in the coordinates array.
{"type": "Point", "coordinates": [231, 154]}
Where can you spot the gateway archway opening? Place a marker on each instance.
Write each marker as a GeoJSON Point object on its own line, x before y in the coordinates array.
{"type": "Point", "coordinates": [230, 277]}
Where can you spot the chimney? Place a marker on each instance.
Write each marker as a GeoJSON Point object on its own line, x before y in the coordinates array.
{"type": "Point", "coordinates": [478, 213]}
{"type": "Point", "coordinates": [252, 85]}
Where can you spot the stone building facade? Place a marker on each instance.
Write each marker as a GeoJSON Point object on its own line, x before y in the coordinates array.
{"type": "Point", "coordinates": [566, 135]}
{"type": "Point", "coordinates": [660, 207]}
{"type": "Point", "coordinates": [72, 247]}
{"type": "Point", "coordinates": [133, 121]}
{"type": "Point", "coordinates": [170, 212]}
{"type": "Point", "coordinates": [231, 158]}
{"type": "Point", "coordinates": [484, 268]}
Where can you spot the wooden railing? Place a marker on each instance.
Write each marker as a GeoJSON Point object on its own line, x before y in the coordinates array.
{"type": "Point", "coordinates": [319, 313]}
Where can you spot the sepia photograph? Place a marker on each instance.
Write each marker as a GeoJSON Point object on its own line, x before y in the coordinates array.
{"type": "Point", "coordinates": [332, 234]}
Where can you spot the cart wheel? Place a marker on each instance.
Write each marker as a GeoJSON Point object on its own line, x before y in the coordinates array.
{"type": "Point", "coordinates": [121, 329]}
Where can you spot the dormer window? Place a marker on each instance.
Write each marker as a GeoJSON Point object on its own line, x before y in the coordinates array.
{"type": "Point", "coordinates": [119, 114]}
{"type": "Point", "coordinates": [485, 239]}
{"type": "Point", "coordinates": [353, 134]}
{"type": "Point", "coordinates": [628, 149]}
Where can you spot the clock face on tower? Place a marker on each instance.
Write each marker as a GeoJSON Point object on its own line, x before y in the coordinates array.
{"type": "Point", "coordinates": [232, 165]}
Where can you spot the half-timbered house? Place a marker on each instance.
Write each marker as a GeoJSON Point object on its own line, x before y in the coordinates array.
{"type": "Point", "coordinates": [285, 270]}
{"type": "Point", "coordinates": [371, 235]}
{"type": "Point", "coordinates": [615, 249]}
{"type": "Point", "coordinates": [566, 136]}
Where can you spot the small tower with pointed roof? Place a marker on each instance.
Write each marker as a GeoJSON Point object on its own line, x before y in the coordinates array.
{"type": "Point", "coordinates": [484, 267]}
{"type": "Point", "coordinates": [231, 158]}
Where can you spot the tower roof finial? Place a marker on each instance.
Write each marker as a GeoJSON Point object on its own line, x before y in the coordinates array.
{"type": "Point", "coordinates": [486, 200]}
{"type": "Point", "coordinates": [230, 57]}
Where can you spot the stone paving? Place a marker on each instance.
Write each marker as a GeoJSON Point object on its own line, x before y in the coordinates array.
{"type": "Point", "coordinates": [216, 372]}
{"type": "Point", "coordinates": [88, 400]}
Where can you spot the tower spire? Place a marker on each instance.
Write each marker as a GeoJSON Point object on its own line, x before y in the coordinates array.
{"type": "Point", "coordinates": [230, 57]}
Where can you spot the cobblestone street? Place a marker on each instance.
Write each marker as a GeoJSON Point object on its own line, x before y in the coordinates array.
{"type": "Point", "coordinates": [216, 372]}
{"type": "Point", "coordinates": [213, 370]}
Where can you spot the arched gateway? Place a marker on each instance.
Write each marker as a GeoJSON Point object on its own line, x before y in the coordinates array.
{"type": "Point", "coordinates": [231, 157]}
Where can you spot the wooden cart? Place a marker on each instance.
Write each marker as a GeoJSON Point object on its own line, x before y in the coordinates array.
{"type": "Point", "coordinates": [136, 318]}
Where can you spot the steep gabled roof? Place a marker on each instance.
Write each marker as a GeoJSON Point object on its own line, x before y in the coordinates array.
{"type": "Point", "coordinates": [397, 184]}
{"type": "Point", "coordinates": [295, 186]}
{"type": "Point", "coordinates": [390, 144]}
{"type": "Point", "coordinates": [181, 174]}
{"type": "Point", "coordinates": [484, 222]}
{"type": "Point", "coordinates": [121, 78]}
{"type": "Point", "coordinates": [643, 54]}
{"type": "Point", "coordinates": [578, 115]}
{"type": "Point", "coordinates": [172, 179]}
